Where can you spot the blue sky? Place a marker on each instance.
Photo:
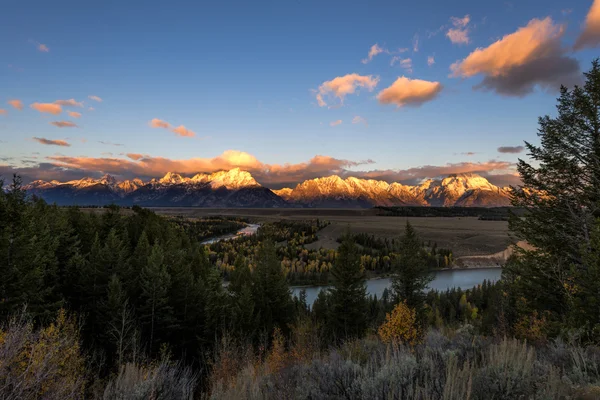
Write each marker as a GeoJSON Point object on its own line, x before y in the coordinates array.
{"type": "Point", "coordinates": [243, 76]}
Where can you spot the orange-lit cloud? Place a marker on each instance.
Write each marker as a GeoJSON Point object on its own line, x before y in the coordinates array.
{"type": "Point", "coordinates": [43, 48]}
{"type": "Point", "coordinates": [409, 92]}
{"type": "Point", "coordinates": [74, 114]}
{"type": "Point", "coordinates": [63, 124]}
{"type": "Point", "coordinates": [183, 131]}
{"type": "Point", "coordinates": [335, 123]}
{"type": "Point", "coordinates": [460, 33]}
{"type": "Point", "coordinates": [373, 51]}
{"type": "Point", "coordinates": [50, 142]}
{"type": "Point", "coordinates": [515, 64]}
{"type": "Point", "coordinates": [3, 111]}
{"type": "Point", "coordinates": [17, 104]}
{"type": "Point", "coordinates": [590, 37]}
{"type": "Point", "coordinates": [135, 156]}
{"type": "Point", "coordinates": [69, 103]}
{"type": "Point", "coordinates": [359, 120]}
{"type": "Point", "coordinates": [271, 175]}
{"type": "Point", "coordinates": [342, 86]}
{"type": "Point", "coordinates": [49, 108]}
{"type": "Point", "coordinates": [179, 131]}
{"type": "Point", "coordinates": [95, 98]}
{"type": "Point", "coordinates": [159, 123]}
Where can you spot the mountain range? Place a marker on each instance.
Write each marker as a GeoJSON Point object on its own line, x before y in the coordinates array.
{"type": "Point", "coordinates": [237, 188]}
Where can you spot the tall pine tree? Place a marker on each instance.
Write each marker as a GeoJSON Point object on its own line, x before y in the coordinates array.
{"type": "Point", "coordinates": [411, 274]}
{"type": "Point", "coordinates": [561, 195]}
{"type": "Point", "coordinates": [348, 295]}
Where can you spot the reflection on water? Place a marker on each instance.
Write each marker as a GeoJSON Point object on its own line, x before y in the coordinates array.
{"type": "Point", "coordinates": [458, 278]}
{"type": "Point", "coordinates": [249, 229]}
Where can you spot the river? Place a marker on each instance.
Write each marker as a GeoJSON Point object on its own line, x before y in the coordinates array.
{"type": "Point", "coordinates": [447, 279]}
{"type": "Point", "coordinates": [249, 229]}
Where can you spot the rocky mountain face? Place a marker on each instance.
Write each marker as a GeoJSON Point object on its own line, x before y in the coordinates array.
{"type": "Point", "coordinates": [465, 190]}
{"type": "Point", "coordinates": [237, 188]}
{"type": "Point", "coordinates": [234, 188]}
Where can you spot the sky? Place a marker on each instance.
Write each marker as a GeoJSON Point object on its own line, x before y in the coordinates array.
{"type": "Point", "coordinates": [288, 90]}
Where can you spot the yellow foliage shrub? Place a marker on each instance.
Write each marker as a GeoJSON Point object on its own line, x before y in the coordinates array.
{"type": "Point", "coordinates": [400, 326]}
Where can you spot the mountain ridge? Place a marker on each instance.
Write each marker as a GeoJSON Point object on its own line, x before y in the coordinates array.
{"type": "Point", "coordinates": [238, 188]}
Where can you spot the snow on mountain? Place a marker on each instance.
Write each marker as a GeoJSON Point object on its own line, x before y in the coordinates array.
{"type": "Point", "coordinates": [234, 188]}
{"type": "Point", "coordinates": [467, 189]}
{"type": "Point", "coordinates": [238, 188]}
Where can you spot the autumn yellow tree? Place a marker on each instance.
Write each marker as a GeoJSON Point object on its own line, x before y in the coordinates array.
{"type": "Point", "coordinates": [400, 326]}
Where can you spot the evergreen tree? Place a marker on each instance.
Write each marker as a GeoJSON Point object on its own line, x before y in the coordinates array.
{"type": "Point", "coordinates": [242, 304]}
{"type": "Point", "coordinates": [155, 282]}
{"type": "Point", "coordinates": [561, 195]}
{"type": "Point", "coordinates": [411, 274]}
{"type": "Point", "coordinates": [348, 303]}
{"type": "Point", "coordinates": [270, 292]}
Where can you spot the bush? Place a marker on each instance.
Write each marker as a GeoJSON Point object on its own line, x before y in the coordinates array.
{"type": "Point", "coordinates": [162, 381]}
{"type": "Point", "coordinates": [44, 363]}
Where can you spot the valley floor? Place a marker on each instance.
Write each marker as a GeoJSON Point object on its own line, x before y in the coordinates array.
{"type": "Point", "coordinates": [466, 236]}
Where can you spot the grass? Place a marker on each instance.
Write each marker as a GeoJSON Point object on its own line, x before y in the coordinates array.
{"type": "Point", "coordinates": [460, 366]}
{"type": "Point", "coordinates": [466, 236]}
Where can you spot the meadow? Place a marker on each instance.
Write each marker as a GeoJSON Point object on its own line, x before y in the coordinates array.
{"type": "Point", "coordinates": [466, 236]}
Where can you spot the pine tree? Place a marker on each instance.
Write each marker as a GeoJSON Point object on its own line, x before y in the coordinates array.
{"type": "Point", "coordinates": [411, 272]}
{"type": "Point", "coordinates": [270, 292]}
{"type": "Point", "coordinates": [242, 304]}
{"type": "Point", "coordinates": [561, 195]}
{"type": "Point", "coordinates": [348, 302]}
{"type": "Point", "coordinates": [155, 283]}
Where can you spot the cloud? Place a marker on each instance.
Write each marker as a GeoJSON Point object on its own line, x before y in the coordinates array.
{"type": "Point", "coordinates": [91, 108]}
{"type": "Point", "coordinates": [514, 65]}
{"type": "Point", "coordinates": [460, 33]}
{"type": "Point", "coordinates": [373, 51]}
{"type": "Point", "coordinates": [342, 86]}
{"type": "Point", "coordinates": [416, 43]}
{"type": "Point", "coordinates": [417, 174]}
{"type": "Point", "coordinates": [271, 175]}
{"type": "Point", "coordinates": [69, 103]}
{"type": "Point", "coordinates": [430, 60]}
{"type": "Point", "coordinates": [63, 124]}
{"type": "Point", "coordinates": [110, 143]}
{"type": "Point", "coordinates": [74, 114]}
{"type": "Point", "coordinates": [590, 37]}
{"type": "Point", "coordinates": [3, 111]}
{"type": "Point", "coordinates": [179, 131]}
{"type": "Point", "coordinates": [43, 48]}
{"type": "Point", "coordinates": [17, 104]}
{"type": "Point", "coordinates": [409, 92]}
{"type": "Point", "coordinates": [511, 149]}
{"type": "Point", "coordinates": [49, 108]}
{"type": "Point", "coordinates": [335, 123]}
{"type": "Point", "coordinates": [95, 98]}
{"type": "Point", "coordinates": [359, 120]}
{"type": "Point", "coordinates": [183, 131]}
{"type": "Point", "coordinates": [159, 123]}
{"type": "Point", "coordinates": [135, 156]}
{"type": "Point", "coordinates": [405, 63]}
{"type": "Point", "coordinates": [50, 142]}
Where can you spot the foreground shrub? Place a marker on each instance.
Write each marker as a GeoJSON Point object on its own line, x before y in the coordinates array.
{"type": "Point", "coordinates": [44, 363]}
{"type": "Point", "coordinates": [162, 381]}
{"type": "Point", "coordinates": [461, 366]}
